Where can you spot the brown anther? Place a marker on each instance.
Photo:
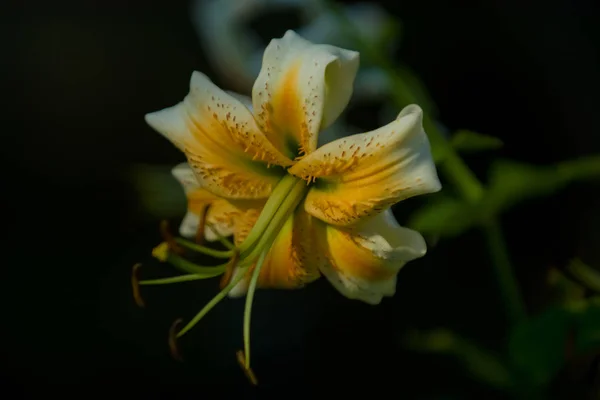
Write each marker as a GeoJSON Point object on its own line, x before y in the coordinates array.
{"type": "Point", "coordinates": [226, 277]}
{"type": "Point", "coordinates": [169, 238]}
{"type": "Point", "coordinates": [135, 286]}
{"type": "Point", "coordinates": [201, 225]}
{"type": "Point", "coordinates": [247, 370]}
{"type": "Point", "coordinates": [173, 340]}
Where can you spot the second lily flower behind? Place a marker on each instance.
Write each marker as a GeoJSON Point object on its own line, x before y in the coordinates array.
{"type": "Point", "coordinates": [296, 210]}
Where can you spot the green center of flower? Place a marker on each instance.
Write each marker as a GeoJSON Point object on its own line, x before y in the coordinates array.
{"type": "Point", "coordinates": [282, 203]}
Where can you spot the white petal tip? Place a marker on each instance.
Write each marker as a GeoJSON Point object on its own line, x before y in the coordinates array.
{"type": "Point", "coordinates": [413, 111]}
{"type": "Point", "coordinates": [181, 170]}
{"type": "Point", "coordinates": [189, 225]}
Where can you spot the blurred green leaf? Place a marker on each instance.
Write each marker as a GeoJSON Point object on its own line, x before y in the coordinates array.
{"type": "Point", "coordinates": [587, 327]}
{"type": "Point", "coordinates": [465, 141]}
{"type": "Point", "coordinates": [585, 274]}
{"type": "Point", "coordinates": [540, 347]}
{"type": "Point", "coordinates": [537, 347]}
{"type": "Point", "coordinates": [511, 182]}
{"type": "Point", "coordinates": [564, 291]}
{"type": "Point", "coordinates": [480, 363]}
{"type": "Point", "coordinates": [444, 216]}
{"type": "Point", "coordinates": [159, 194]}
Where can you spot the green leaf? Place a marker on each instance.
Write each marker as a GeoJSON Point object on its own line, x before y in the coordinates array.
{"type": "Point", "coordinates": [564, 291]}
{"type": "Point", "coordinates": [537, 347]}
{"type": "Point", "coordinates": [480, 363]}
{"type": "Point", "coordinates": [159, 193]}
{"type": "Point", "coordinates": [512, 182]}
{"type": "Point", "coordinates": [587, 327]}
{"type": "Point", "coordinates": [444, 216]}
{"type": "Point", "coordinates": [585, 274]}
{"type": "Point", "coordinates": [465, 141]}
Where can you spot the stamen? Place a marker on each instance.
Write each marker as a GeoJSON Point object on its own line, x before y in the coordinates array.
{"type": "Point", "coordinates": [278, 196]}
{"type": "Point", "coordinates": [248, 309]}
{"type": "Point", "coordinates": [135, 286]}
{"type": "Point", "coordinates": [210, 305]}
{"type": "Point", "coordinates": [247, 370]}
{"type": "Point", "coordinates": [191, 268]}
{"type": "Point", "coordinates": [229, 270]}
{"type": "Point", "coordinates": [173, 340]}
{"type": "Point", "coordinates": [201, 225]}
{"type": "Point", "coordinates": [294, 196]}
{"type": "Point", "coordinates": [221, 238]}
{"type": "Point", "coordinates": [173, 279]}
{"type": "Point", "coordinates": [202, 249]}
{"type": "Point", "coordinates": [169, 238]}
{"type": "Point", "coordinates": [161, 252]}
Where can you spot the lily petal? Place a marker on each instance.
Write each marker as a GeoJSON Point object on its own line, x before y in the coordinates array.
{"type": "Point", "coordinates": [197, 198]}
{"type": "Point", "coordinates": [365, 259]}
{"type": "Point", "coordinates": [301, 89]}
{"type": "Point", "coordinates": [221, 216]}
{"type": "Point", "coordinates": [360, 175]}
{"type": "Point", "coordinates": [291, 262]}
{"type": "Point", "coordinates": [229, 154]}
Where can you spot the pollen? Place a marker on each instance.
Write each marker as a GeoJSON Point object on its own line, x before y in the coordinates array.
{"type": "Point", "coordinates": [161, 252]}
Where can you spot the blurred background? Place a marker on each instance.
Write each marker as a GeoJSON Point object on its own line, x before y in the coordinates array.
{"type": "Point", "coordinates": [78, 78]}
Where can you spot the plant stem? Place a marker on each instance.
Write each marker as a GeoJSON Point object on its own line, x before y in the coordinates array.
{"type": "Point", "coordinates": [504, 273]}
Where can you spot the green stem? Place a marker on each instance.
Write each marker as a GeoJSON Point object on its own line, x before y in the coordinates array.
{"type": "Point", "coordinates": [504, 273]}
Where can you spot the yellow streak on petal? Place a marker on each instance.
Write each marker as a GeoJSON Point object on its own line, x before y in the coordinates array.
{"type": "Point", "coordinates": [229, 154]}
{"type": "Point", "coordinates": [348, 256]}
{"type": "Point", "coordinates": [284, 116]}
{"type": "Point", "coordinates": [360, 175]}
{"type": "Point", "coordinates": [292, 262]}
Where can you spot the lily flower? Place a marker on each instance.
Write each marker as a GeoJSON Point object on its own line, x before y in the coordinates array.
{"type": "Point", "coordinates": [302, 210]}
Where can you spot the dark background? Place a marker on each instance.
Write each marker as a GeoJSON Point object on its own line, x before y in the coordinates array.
{"type": "Point", "coordinates": [79, 77]}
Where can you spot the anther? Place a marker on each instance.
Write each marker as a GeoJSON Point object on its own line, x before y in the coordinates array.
{"type": "Point", "coordinates": [169, 238]}
{"type": "Point", "coordinates": [173, 340]}
{"type": "Point", "coordinates": [135, 286]}
{"type": "Point", "coordinates": [201, 226]}
{"type": "Point", "coordinates": [247, 370]}
{"type": "Point", "coordinates": [226, 278]}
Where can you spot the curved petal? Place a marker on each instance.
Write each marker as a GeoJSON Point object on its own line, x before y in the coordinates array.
{"type": "Point", "coordinates": [301, 89]}
{"type": "Point", "coordinates": [197, 199]}
{"type": "Point", "coordinates": [291, 262]}
{"type": "Point", "coordinates": [221, 217]}
{"type": "Point", "coordinates": [229, 154]}
{"type": "Point", "coordinates": [358, 176]}
{"type": "Point", "coordinates": [365, 259]}
{"type": "Point", "coordinates": [189, 225]}
{"type": "Point", "coordinates": [219, 213]}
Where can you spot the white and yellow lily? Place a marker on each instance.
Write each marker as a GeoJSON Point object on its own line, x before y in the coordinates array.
{"type": "Point", "coordinates": [302, 211]}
